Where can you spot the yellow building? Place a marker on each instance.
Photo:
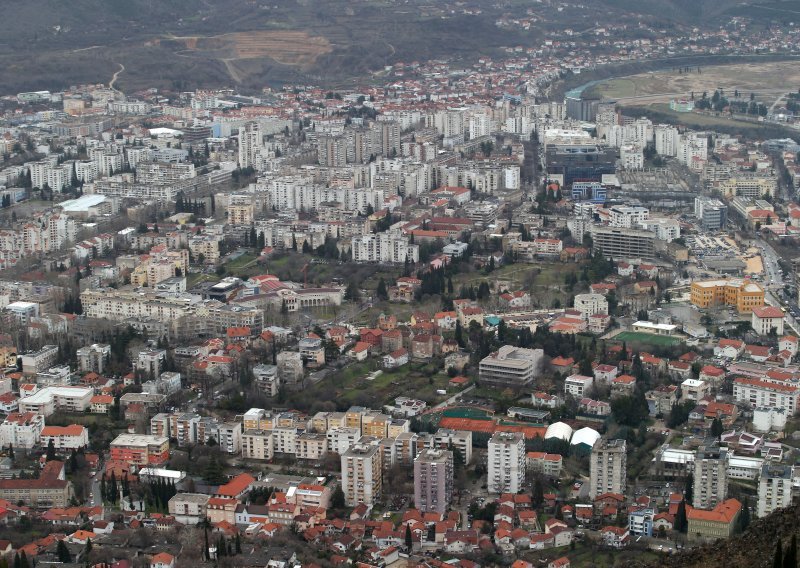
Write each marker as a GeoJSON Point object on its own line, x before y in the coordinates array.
{"type": "Point", "coordinates": [720, 522]}
{"type": "Point", "coordinates": [744, 295]}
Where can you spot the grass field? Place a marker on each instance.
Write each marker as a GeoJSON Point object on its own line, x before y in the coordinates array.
{"type": "Point", "coordinates": [646, 338]}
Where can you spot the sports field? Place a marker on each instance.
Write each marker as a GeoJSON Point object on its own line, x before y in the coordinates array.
{"type": "Point", "coordinates": [648, 338]}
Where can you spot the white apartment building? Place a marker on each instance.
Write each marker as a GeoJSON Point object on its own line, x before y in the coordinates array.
{"type": "Point", "coordinates": [229, 437]}
{"type": "Point", "coordinates": [506, 462]}
{"type": "Point", "coordinates": [693, 149]}
{"type": "Point", "coordinates": [631, 156]}
{"type": "Point", "coordinates": [608, 468]}
{"type": "Point", "coordinates": [250, 146]}
{"type": "Point", "coordinates": [666, 138]}
{"type": "Point", "coordinates": [578, 385]}
{"type": "Point", "coordinates": [774, 488]}
{"type": "Point", "coordinates": [458, 440]}
{"type": "Point", "coordinates": [21, 430]}
{"type": "Point", "coordinates": [342, 438]}
{"type": "Point", "coordinates": [710, 477]}
{"type": "Point", "coordinates": [627, 216]}
{"type": "Point", "coordinates": [765, 319]}
{"type": "Point", "coordinates": [761, 393]}
{"type": "Point", "coordinates": [665, 229]}
{"type": "Point", "coordinates": [386, 247]}
{"type": "Point", "coordinates": [362, 474]}
{"type": "Point", "coordinates": [65, 438]}
{"type": "Point", "coordinates": [49, 399]}
{"type": "Point", "coordinates": [590, 304]}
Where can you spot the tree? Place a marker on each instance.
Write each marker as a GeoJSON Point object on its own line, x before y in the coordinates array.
{"type": "Point", "coordinates": [681, 524]}
{"type": "Point", "coordinates": [63, 553]}
{"type": "Point", "coordinates": [352, 293]}
{"type": "Point", "coordinates": [689, 491]}
{"type": "Point", "coordinates": [87, 550]}
{"type": "Point", "coordinates": [337, 499]}
{"type": "Point", "coordinates": [459, 334]}
{"type": "Point", "coordinates": [409, 540]}
{"type": "Point", "coordinates": [381, 292]}
{"type": "Point", "coordinates": [790, 558]}
{"type": "Point", "coordinates": [744, 516]}
{"type": "Point", "coordinates": [51, 450]}
{"type": "Point", "coordinates": [538, 493]}
{"type": "Point", "coordinates": [238, 544]}
{"type": "Point", "coordinates": [716, 427]}
{"type": "Point", "coordinates": [777, 560]}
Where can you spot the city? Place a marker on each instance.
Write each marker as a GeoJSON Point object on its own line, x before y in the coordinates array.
{"type": "Point", "coordinates": [519, 311]}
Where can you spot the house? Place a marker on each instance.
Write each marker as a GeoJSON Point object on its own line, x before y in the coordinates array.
{"type": "Point", "coordinates": [615, 537]}
{"type": "Point", "coordinates": [395, 359]}
{"type": "Point", "coordinates": [162, 560]}
{"type": "Point", "coordinates": [712, 375]}
{"type": "Point", "coordinates": [767, 319]}
{"type": "Point", "coordinates": [562, 364]}
{"type": "Point", "coordinates": [623, 385]}
{"type": "Point", "coordinates": [758, 353]}
{"type": "Point", "coordinates": [594, 407]}
{"type": "Point", "coordinates": [446, 320]}
{"type": "Point", "coordinates": [788, 343]}
{"type": "Point", "coordinates": [515, 300]}
{"type": "Point", "coordinates": [729, 348]}
{"type": "Point", "coordinates": [562, 562]}
{"type": "Point", "coordinates": [544, 400]}
{"type": "Point", "coordinates": [360, 351]}
{"type": "Point", "coordinates": [680, 369]}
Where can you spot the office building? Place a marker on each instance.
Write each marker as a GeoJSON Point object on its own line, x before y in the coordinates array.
{"type": "Point", "coordinates": [140, 449]}
{"type": "Point", "coordinates": [507, 465]}
{"type": "Point", "coordinates": [433, 480]}
{"type": "Point", "coordinates": [608, 468]}
{"type": "Point", "coordinates": [743, 294]}
{"type": "Point", "coordinates": [362, 474]}
{"type": "Point", "coordinates": [510, 366]}
{"type": "Point", "coordinates": [712, 213]}
{"type": "Point", "coordinates": [585, 162]}
{"type": "Point", "coordinates": [621, 243]}
{"type": "Point", "coordinates": [710, 477]}
{"type": "Point", "coordinates": [718, 523]}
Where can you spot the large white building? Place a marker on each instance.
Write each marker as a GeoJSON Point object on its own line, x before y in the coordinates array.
{"type": "Point", "coordinates": [65, 438]}
{"type": "Point", "coordinates": [21, 430]}
{"type": "Point", "coordinates": [774, 488]}
{"type": "Point", "coordinates": [765, 319]}
{"type": "Point", "coordinates": [384, 247]}
{"type": "Point", "coordinates": [510, 366]}
{"type": "Point", "coordinates": [768, 394]}
{"type": "Point", "coordinates": [627, 216]}
{"type": "Point", "coordinates": [362, 474]}
{"type": "Point", "coordinates": [49, 399]}
{"type": "Point", "coordinates": [608, 468]}
{"type": "Point", "coordinates": [506, 457]}
{"type": "Point", "coordinates": [666, 138]}
{"type": "Point", "coordinates": [590, 304]}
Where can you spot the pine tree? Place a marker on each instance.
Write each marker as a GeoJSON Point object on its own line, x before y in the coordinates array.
{"type": "Point", "coordinates": [680, 518]}
{"type": "Point", "coordinates": [790, 559]}
{"type": "Point", "coordinates": [51, 450]}
{"type": "Point", "coordinates": [381, 292]}
{"type": "Point", "coordinates": [238, 544]}
{"type": "Point", "coordinates": [409, 539]}
{"type": "Point", "coordinates": [23, 560]}
{"type": "Point", "coordinates": [63, 553]}
{"type": "Point", "coordinates": [777, 560]}
{"type": "Point", "coordinates": [689, 492]}
{"type": "Point", "coordinates": [337, 499]}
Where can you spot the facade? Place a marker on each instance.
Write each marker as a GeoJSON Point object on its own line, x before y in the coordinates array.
{"type": "Point", "coordinates": [257, 444]}
{"type": "Point", "coordinates": [510, 366]}
{"type": "Point", "coordinates": [720, 522]}
{"type": "Point", "coordinates": [507, 466]}
{"type": "Point", "coordinates": [140, 449]}
{"type": "Point", "coordinates": [21, 430]}
{"type": "Point", "coordinates": [744, 295]}
{"type": "Point", "coordinates": [774, 488]}
{"type": "Point", "coordinates": [608, 468]}
{"type": "Point", "coordinates": [384, 247]}
{"type": "Point", "coordinates": [710, 477]}
{"type": "Point", "coordinates": [766, 320]}
{"type": "Point", "coordinates": [591, 304]}
{"type": "Point", "coordinates": [189, 508]}
{"type": "Point", "coordinates": [51, 489]}
{"type": "Point", "coordinates": [623, 243]}
{"type": "Point", "coordinates": [49, 399]}
{"type": "Point", "coordinates": [362, 474]}
{"type": "Point", "coordinates": [766, 394]}
{"type": "Point", "coordinates": [65, 438]}
{"type": "Point", "coordinates": [433, 480]}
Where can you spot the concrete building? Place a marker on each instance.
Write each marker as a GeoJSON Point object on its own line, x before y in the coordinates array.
{"type": "Point", "coordinates": [774, 488]}
{"type": "Point", "coordinates": [510, 366]}
{"type": "Point", "coordinates": [744, 295]}
{"type": "Point", "coordinates": [765, 319]}
{"type": "Point", "coordinates": [591, 304]}
{"type": "Point", "coordinates": [362, 474]}
{"type": "Point", "coordinates": [140, 449]}
{"type": "Point", "coordinates": [712, 213]}
{"type": "Point", "coordinates": [710, 477]}
{"type": "Point", "coordinates": [49, 399]}
{"type": "Point", "coordinates": [718, 523]}
{"type": "Point", "coordinates": [433, 480]}
{"type": "Point", "coordinates": [94, 357]}
{"type": "Point", "coordinates": [507, 466]}
{"type": "Point", "coordinates": [621, 243]}
{"type": "Point", "coordinates": [189, 508]}
{"type": "Point", "coordinates": [257, 445]}
{"type": "Point", "coordinates": [608, 468]}
{"type": "Point", "coordinates": [21, 430]}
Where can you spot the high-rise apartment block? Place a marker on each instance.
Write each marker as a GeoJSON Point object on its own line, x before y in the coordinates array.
{"type": "Point", "coordinates": [710, 477]}
{"type": "Point", "coordinates": [506, 458]}
{"type": "Point", "coordinates": [433, 480]}
{"type": "Point", "coordinates": [608, 468]}
{"type": "Point", "coordinates": [361, 474]}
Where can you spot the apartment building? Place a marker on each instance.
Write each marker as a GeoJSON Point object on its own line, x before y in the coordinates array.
{"type": "Point", "coordinates": [510, 366]}
{"type": "Point", "coordinates": [94, 358]}
{"type": "Point", "coordinates": [578, 385]}
{"type": "Point", "coordinates": [544, 463]}
{"type": "Point", "coordinates": [40, 360]}
{"type": "Point", "coordinates": [456, 440]}
{"type": "Point", "coordinates": [140, 449]}
{"type": "Point", "coordinates": [743, 294]}
{"type": "Point", "coordinates": [384, 247]}
{"type": "Point", "coordinates": [229, 437]}
{"type": "Point", "coordinates": [767, 394]}
{"type": "Point", "coordinates": [433, 480]}
{"type": "Point", "coordinates": [767, 319]}
{"type": "Point", "coordinates": [49, 399]}
{"type": "Point", "coordinates": [189, 508]}
{"type": "Point", "coordinates": [65, 438]}
{"type": "Point", "coordinates": [627, 216]}
{"type": "Point", "coordinates": [590, 304]}
{"type": "Point", "coordinates": [506, 462]}
{"type": "Point", "coordinates": [362, 474]}
{"type": "Point", "coordinates": [712, 213]}
{"type": "Point", "coordinates": [774, 488]}
{"type": "Point", "coordinates": [608, 467]}
{"type": "Point", "coordinates": [257, 445]}
{"type": "Point", "coordinates": [311, 446]}
{"type": "Point", "coordinates": [21, 430]}
{"type": "Point", "coordinates": [710, 476]}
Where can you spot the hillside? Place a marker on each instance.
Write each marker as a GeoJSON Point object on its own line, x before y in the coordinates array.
{"type": "Point", "coordinates": [752, 549]}
{"type": "Point", "coordinates": [186, 44]}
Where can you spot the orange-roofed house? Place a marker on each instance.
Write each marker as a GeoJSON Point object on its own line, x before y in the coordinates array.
{"type": "Point", "coordinates": [237, 486]}
{"type": "Point", "coordinates": [101, 403]}
{"type": "Point", "coordinates": [562, 562]}
{"type": "Point", "coordinates": [162, 560]}
{"type": "Point", "coordinates": [80, 537]}
{"type": "Point", "coordinates": [719, 522]}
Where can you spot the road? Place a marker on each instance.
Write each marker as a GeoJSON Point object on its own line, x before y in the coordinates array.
{"type": "Point", "coordinates": [114, 77]}
{"type": "Point", "coordinates": [453, 398]}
